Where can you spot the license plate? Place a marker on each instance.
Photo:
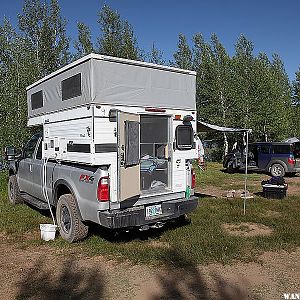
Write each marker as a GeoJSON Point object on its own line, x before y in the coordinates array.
{"type": "Point", "coordinates": [154, 210]}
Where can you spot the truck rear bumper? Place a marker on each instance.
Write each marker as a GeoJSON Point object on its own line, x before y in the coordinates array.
{"type": "Point", "coordinates": [136, 216]}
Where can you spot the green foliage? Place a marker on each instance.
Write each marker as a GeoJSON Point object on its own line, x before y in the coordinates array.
{"type": "Point", "coordinates": [156, 56]}
{"type": "Point", "coordinates": [118, 38]}
{"type": "Point", "coordinates": [39, 47]}
{"type": "Point", "coordinates": [183, 55]}
{"type": "Point", "coordinates": [83, 44]}
{"type": "Point", "coordinates": [296, 89]}
{"type": "Point", "coordinates": [44, 30]}
{"type": "Point", "coordinates": [295, 108]}
{"type": "Point", "coordinates": [244, 90]}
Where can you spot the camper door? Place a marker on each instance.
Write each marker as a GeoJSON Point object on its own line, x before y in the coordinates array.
{"type": "Point", "coordinates": [128, 155]}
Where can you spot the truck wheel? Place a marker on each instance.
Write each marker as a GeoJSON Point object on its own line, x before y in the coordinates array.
{"type": "Point", "coordinates": [14, 195]}
{"type": "Point", "coordinates": [68, 219]}
{"type": "Point", "coordinates": [277, 170]}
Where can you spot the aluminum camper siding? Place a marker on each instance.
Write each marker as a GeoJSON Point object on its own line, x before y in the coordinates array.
{"type": "Point", "coordinates": [115, 81]}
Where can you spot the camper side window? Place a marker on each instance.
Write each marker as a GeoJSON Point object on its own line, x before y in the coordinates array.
{"type": "Point", "coordinates": [37, 100]}
{"type": "Point", "coordinates": [71, 87]}
{"type": "Point", "coordinates": [184, 137]}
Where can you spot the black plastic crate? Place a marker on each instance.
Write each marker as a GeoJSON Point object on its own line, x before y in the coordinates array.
{"type": "Point", "coordinates": [274, 192]}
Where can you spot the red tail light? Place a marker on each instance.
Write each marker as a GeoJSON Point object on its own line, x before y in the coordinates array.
{"type": "Point", "coordinates": [291, 160]}
{"type": "Point", "coordinates": [103, 189]}
{"type": "Point", "coordinates": [193, 179]}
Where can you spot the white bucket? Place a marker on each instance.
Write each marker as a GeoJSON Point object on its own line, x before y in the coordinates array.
{"type": "Point", "coordinates": [48, 231]}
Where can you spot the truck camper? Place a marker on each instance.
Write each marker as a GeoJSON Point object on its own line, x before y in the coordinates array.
{"type": "Point", "coordinates": [116, 145]}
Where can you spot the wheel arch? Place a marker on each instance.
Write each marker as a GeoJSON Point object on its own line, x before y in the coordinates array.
{"type": "Point", "coordinates": [280, 162]}
{"type": "Point", "coordinates": [62, 187]}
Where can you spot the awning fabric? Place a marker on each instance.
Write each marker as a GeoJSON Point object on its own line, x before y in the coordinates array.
{"type": "Point", "coordinates": [205, 127]}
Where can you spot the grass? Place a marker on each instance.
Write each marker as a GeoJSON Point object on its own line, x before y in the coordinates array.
{"type": "Point", "coordinates": [215, 176]}
{"type": "Point", "coordinates": [202, 240]}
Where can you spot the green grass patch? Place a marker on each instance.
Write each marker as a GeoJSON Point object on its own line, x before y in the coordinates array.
{"type": "Point", "coordinates": [216, 176]}
{"type": "Point", "coordinates": [202, 240]}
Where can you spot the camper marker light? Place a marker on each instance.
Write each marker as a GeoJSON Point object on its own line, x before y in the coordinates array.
{"type": "Point", "coordinates": [103, 189]}
{"type": "Point", "coordinates": [177, 117]}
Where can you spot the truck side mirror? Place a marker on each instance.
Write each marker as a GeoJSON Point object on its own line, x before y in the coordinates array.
{"type": "Point", "coordinates": [10, 153]}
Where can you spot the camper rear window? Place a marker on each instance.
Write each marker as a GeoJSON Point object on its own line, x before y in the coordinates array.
{"type": "Point", "coordinates": [184, 137]}
{"type": "Point", "coordinates": [37, 100]}
{"type": "Point", "coordinates": [71, 87]}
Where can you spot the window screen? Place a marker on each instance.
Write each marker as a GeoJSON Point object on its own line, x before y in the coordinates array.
{"type": "Point", "coordinates": [154, 129]}
{"type": "Point", "coordinates": [132, 154]}
{"type": "Point", "coordinates": [37, 100]}
{"type": "Point", "coordinates": [184, 137]}
{"type": "Point", "coordinates": [71, 87]}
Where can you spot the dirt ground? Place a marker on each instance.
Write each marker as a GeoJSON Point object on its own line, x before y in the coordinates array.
{"type": "Point", "coordinates": [46, 273]}
{"type": "Point", "coordinates": [43, 272]}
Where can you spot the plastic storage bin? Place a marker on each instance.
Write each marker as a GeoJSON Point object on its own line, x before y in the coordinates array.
{"type": "Point", "coordinates": [274, 191]}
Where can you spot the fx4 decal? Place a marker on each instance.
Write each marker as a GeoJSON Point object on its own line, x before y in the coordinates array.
{"type": "Point", "coordinates": [86, 178]}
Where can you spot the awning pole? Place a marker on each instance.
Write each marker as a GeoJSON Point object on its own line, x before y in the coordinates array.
{"type": "Point", "coordinates": [246, 173]}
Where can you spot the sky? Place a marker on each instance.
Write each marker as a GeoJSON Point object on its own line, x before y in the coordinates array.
{"type": "Point", "coordinates": [273, 26]}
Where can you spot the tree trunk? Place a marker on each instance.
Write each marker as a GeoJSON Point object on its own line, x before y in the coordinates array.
{"type": "Point", "coordinates": [225, 144]}
{"type": "Point", "coordinates": [224, 124]}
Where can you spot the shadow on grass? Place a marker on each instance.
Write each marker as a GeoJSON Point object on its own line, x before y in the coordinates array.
{"type": "Point", "coordinates": [121, 235]}
{"type": "Point", "coordinates": [43, 212]}
{"type": "Point", "coordinates": [183, 279]}
{"type": "Point", "coordinates": [69, 282]}
{"type": "Point", "coordinates": [259, 194]}
{"type": "Point", "coordinates": [200, 195]}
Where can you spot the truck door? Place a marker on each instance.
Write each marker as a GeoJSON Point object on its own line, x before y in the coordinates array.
{"type": "Point", "coordinates": [264, 156]}
{"type": "Point", "coordinates": [37, 172]}
{"type": "Point", "coordinates": [128, 155]}
{"type": "Point", "coordinates": [25, 170]}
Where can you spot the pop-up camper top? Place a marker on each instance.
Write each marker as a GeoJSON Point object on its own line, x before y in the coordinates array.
{"type": "Point", "coordinates": [126, 130]}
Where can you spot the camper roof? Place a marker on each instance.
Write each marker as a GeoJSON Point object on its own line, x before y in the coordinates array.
{"type": "Point", "coordinates": [112, 59]}
{"type": "Point", "coordinates": [115, 81]}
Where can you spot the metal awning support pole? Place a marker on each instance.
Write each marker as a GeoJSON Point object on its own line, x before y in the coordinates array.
{"type": "Point", "coordinates": [246, 172]}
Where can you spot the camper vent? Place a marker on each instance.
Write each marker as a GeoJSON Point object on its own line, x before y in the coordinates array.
{"type": "Point", "coordinates": [37, 100]}
{"type": "Point", "coordinates": [71, 87]}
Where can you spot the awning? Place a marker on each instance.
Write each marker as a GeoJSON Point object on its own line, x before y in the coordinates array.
{"type": "Point", "coordinates": [292, 140]}
{"type": "Point", "coordinates": [205, 127]}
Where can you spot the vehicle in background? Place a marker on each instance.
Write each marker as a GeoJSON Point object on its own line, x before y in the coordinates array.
{"type": "Point", "coordinates": [277, 158]}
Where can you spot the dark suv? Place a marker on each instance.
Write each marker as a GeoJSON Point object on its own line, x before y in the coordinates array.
{"type": "Point", "coordinates": [277, 158]}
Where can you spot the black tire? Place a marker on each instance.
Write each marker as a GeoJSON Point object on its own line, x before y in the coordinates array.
{"type": "Point", "coordinates": [277, 170]}
{"type": "Point", "coordinates": [68, 219]}
{"type": "Point", "coordinates": [13, 190]}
